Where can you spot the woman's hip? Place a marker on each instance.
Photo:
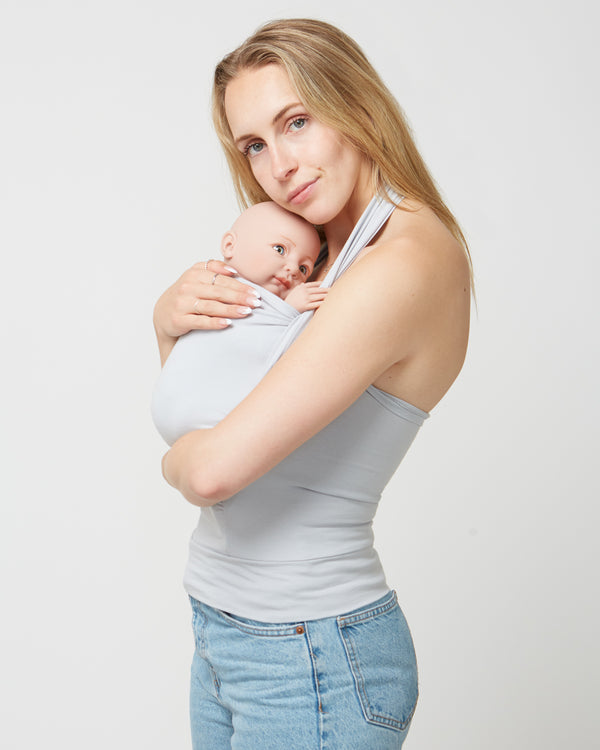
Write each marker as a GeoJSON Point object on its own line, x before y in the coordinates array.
{"type": "Point", "coordinates": [339, 682]}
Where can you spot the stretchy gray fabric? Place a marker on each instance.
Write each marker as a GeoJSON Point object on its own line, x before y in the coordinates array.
{"type": "Point", "coordinates": [296, 544]}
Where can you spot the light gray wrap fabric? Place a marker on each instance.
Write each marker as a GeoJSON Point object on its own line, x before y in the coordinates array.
{"type": "Point", "coordinates": [297, 543]}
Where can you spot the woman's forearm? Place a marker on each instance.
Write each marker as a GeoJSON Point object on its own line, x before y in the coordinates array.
{"type": "Point", "coordinates": [165, 345]}
{"type": "Point", "coordinates": [182, 467]}
{"type": "Point", "coordinates": [341, 352]}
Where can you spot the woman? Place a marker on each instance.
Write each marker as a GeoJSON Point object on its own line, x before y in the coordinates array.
{"type": "Point", "coordinates": [299, 642]}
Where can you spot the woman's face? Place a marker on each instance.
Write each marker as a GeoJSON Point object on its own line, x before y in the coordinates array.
{"type": "Point", "coordinates": [303, 165]}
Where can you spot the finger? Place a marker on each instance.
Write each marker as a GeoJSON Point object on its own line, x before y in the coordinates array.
{"type": "Point", "coordinates": [206, 323]}
{"type": "Point", "coordinates": [218, 266]}
{"type": "Point", "coordinates": [205, 271]}
{"type": "Point", "coordinates": [191, 291]}
{"type": "Point", "coordinates": [215, 266]}
{"type": "Point", "coordinates": [229, 283]}
{"type": "Point", "coordinates": [214, 308]}
{"type": "Point", "coordinates": [229, 296]}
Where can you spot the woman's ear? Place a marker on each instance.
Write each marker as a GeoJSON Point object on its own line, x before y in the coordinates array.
{"type": "Point", "coordinates": [227, 245]}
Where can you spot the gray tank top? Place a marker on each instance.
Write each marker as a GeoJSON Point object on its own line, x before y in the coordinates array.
{"type": "Point", "coordinates": [296, 544]}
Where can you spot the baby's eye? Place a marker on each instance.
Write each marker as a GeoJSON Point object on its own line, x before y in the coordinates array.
{"type": "Point", "coordinates": [304, 270]}
{"type": "Point", "coordinates": [279, 249]}
{"type": "Point", "coordinates": [252, 149]}
{"type": "Point", "coordinates": [298, 123]}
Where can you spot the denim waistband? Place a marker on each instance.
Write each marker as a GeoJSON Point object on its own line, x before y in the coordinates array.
{"type": "Point", "coordinates": [384, 603]}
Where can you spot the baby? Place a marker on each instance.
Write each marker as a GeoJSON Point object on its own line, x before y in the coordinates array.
{"type": "Point", "coordinates": [277, 250]}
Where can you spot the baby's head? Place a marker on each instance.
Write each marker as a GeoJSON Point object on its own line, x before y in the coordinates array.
{"type": "Point", "coordinates": [272, 247]}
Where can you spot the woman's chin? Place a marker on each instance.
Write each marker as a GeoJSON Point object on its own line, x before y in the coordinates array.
{"type": "Point", "coordinates": [316, 215]}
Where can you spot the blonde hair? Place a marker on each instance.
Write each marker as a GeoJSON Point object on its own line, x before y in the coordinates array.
{"type": "Point", "coordinates": [340, 87]}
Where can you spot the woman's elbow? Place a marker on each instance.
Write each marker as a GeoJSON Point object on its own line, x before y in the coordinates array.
{"type": "Point", "coordinates": [206, 488]}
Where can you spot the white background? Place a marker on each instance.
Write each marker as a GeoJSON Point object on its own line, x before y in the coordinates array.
{"type": "Point", "coordinates": [112, 183]}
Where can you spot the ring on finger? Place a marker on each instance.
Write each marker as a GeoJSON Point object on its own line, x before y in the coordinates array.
{"type": "Point", "coordinates": [206, 262]}
{"type": "Point", "coordinates": [214, 278]}
{"type": "Point", "coordinates": [195, 307]}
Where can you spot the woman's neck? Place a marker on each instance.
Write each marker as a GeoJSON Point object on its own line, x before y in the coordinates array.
{"type": "Point", "coordinates": [340, 227]}
{"type": "Point", "coordinates": [336, 235]}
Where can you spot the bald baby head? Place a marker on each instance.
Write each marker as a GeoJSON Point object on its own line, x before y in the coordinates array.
{"type": "Point", "coordinates": [272, 247]}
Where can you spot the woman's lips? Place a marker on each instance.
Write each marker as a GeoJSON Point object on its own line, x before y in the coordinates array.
{"type": "Point", "coordinates": [301, 193]}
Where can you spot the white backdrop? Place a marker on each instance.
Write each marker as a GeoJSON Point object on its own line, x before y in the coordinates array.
{"type": "Point", "coordinates": [111, 183]}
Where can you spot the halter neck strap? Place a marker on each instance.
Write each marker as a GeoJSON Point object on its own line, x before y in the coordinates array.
{"type": "Point", "coordinates": [371, 221]}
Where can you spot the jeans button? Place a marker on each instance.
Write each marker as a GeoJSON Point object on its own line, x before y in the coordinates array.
{"type": "Point", "coordinates": [299, 630]}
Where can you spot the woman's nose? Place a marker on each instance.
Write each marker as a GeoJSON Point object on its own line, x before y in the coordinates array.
{"type": "Point", "coordinates": [283, 163]}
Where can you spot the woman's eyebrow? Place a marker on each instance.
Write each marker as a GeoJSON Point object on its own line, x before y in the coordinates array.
{"type": "Point", "coordinates": [282, 112]}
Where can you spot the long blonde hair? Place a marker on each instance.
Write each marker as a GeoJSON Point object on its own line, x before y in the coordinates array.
{"type": "Point", "coordinates": [340, 87]}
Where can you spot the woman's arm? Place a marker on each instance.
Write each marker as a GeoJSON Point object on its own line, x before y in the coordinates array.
{"type": "Point", "coordinates": [194, 303]}
{"type": "Point", "coordinates": [383, 311]}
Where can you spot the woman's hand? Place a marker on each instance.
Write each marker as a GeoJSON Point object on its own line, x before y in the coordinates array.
{"type": "Point", "coordinates": [205, 297]}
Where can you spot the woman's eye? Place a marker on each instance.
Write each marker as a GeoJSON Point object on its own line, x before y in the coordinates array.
{"type": "Point", "coordinates": [279, 249]}
{"type": "Point", "coordinates": [298, 123]}
{"type": "Point", "coordinates": [252, 149]}
{"type": "Point", "coordinates": [304, 270]}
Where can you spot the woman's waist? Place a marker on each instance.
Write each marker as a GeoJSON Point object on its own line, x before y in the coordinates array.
{"type": "Point", "coordinates": [280, 530]}
{"type": "Point", "coordinates": [283, 590]}
{"type": "Point", "coordinates": [291, 556]}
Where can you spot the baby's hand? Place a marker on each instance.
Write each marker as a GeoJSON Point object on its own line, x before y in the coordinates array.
{"type": "Point", "coordinates": [307, 296]}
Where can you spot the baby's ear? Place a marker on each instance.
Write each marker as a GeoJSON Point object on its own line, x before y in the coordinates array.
{"type": "Point", "coordinates": [227, 245]}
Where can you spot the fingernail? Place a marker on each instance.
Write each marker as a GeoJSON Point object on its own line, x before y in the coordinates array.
{"type": "Point", "coordinates": [256, 293]}
{"type": "Point", "coordinates": [224, 322]}
{"type": "Point", "coordinates": [254, 302]}
{"type": "Point", "coordinates": [229, 268]}
{"type": "Point", "coordinates": [244, 310]}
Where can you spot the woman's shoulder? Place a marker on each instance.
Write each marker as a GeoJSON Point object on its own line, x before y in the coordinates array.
{"type": "Point", "coordinates": [417, 249]}
{"type": "Point", "coordinates": [419, 277]}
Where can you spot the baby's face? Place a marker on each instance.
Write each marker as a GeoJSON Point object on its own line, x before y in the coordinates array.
{"type": "Point", "coordinates": [273, 248]}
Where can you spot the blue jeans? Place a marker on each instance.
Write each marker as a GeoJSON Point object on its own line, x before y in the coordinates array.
{"type": "Point", "coordinates": [338, 683]}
